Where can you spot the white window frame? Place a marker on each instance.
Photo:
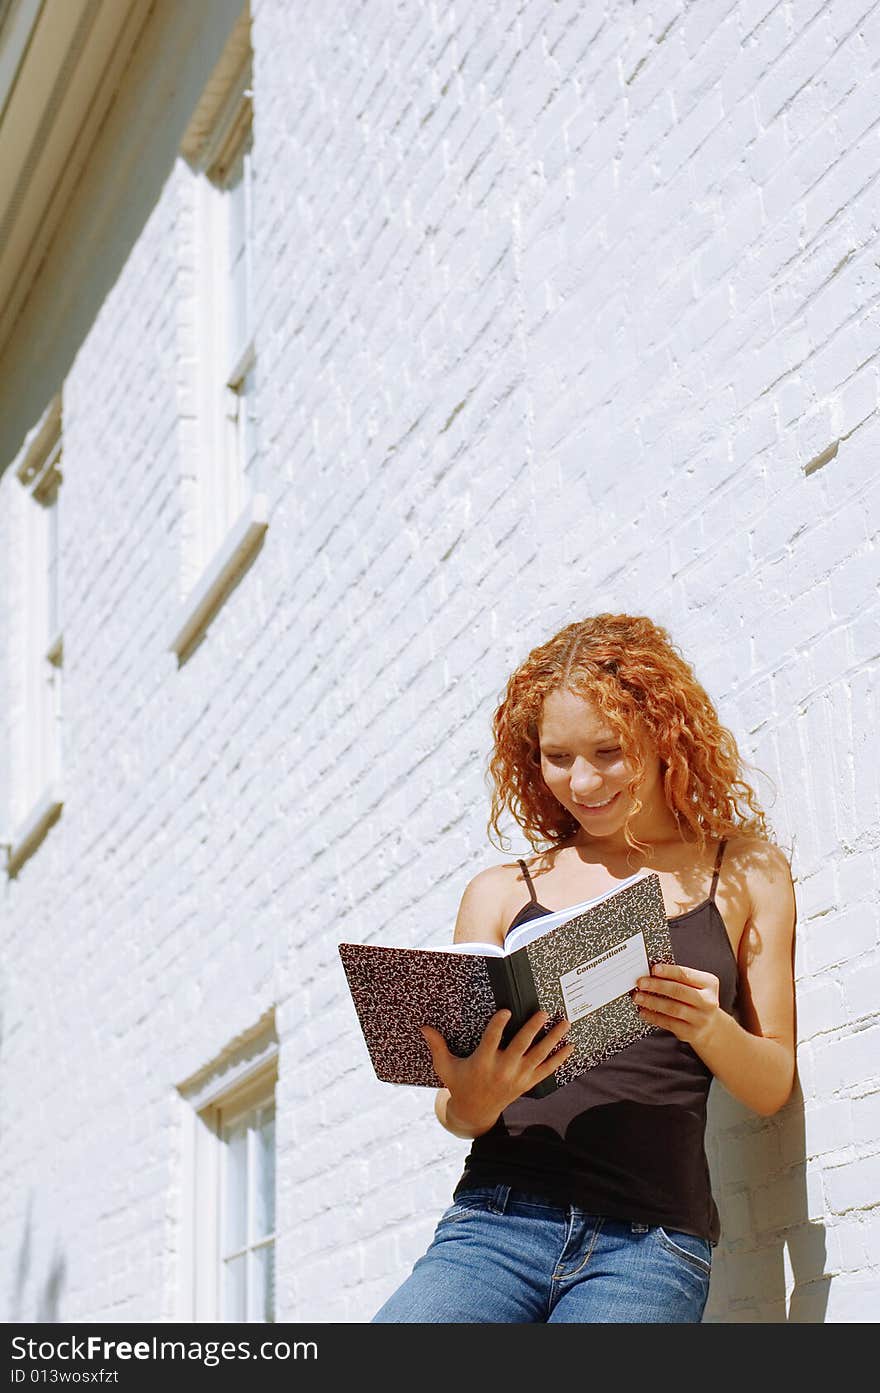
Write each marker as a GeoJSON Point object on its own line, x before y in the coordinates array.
{"type": "Point", "coordinates": [227, 483]}
{"type": "Point", "coordinates": [37, 797]}
{"type": "Point", "coordinates": [231, 509]}
{"type": "Point", "coordinates": [246, 1103]}
{"type": "Point", "coordinates": [241, 1080]}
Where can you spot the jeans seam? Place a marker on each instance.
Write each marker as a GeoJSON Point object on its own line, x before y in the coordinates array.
{"type": "Point", "coordinates": [568, 1233]}
{"type": "Point", "coordinates": [697, 1263]}
{"type": "Point", "coordinates": [565, 1276]}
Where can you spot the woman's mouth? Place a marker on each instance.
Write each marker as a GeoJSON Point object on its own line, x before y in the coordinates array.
{"type": "Point", "coordinates": [592, 810]}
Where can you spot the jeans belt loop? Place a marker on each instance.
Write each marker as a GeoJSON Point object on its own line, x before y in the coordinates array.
{"type": "Point", "coordinates": [499, 1199]}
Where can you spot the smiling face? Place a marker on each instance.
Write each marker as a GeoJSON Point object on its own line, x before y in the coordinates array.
{"type": "Point", "coordinates": [582, 763]}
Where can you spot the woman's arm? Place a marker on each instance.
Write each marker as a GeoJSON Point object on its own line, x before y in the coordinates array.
{"type": "Point", "coordinates": [447, 1119]}
{"type": "Point", "coordinates": [756, 1060]}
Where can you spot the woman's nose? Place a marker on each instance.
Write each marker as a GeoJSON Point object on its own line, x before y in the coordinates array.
{"type": "Point", "coordinates": [584, 778]}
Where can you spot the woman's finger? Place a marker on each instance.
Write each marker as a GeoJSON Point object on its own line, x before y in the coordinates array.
{"type": "Point", "coordinates": [677, 972]}
{"type": "Point", "coordinates": [528, 1032]}
{"type": "Point", "coordinates": [550, 1065]}
{"type": "Point", "coordinates": [666, 991]}
{"type": "Point", "coordinates": [437, 1045]}
{"type": "Point", "coordinates": [553, 1036]}
{"type": "Point", "coordinates": [494, 1030]}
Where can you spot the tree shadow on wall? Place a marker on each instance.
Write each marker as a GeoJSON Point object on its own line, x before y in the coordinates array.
{"type": "Point", "coordinates": [48, 1304]}
{"type": "Point", "coordinates": [769, 1266]}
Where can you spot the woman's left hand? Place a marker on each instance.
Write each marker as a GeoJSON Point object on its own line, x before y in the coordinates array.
{"type": "Point", "coordinates": [679, 999]}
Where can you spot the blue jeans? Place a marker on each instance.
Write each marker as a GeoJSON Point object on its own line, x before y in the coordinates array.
{"type": "Point", "coordinates": [500, 1254]}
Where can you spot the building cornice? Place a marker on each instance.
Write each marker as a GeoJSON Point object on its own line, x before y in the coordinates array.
{"type": "Point", "coordinates": [60, 68]}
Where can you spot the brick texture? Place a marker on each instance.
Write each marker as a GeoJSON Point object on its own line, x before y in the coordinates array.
{"type": "Point", "coordinates": [556, 307]}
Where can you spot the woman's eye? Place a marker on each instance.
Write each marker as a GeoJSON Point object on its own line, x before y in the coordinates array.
{"type": "Point", "coordinates": [559, 759]}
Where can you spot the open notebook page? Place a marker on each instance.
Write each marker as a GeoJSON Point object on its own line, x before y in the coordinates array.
{"type": "Point", "coordinates": [541, 924]}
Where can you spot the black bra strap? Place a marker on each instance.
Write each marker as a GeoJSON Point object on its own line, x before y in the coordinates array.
{"type": "Point", "coordinates": [532, 896]}
{"type": "Point", "coordinates": [721, 845]}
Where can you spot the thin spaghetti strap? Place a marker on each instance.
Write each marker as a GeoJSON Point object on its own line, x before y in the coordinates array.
{"type": "Point", "coordinates": [721, 845]}
{"type": "Point", "coordinates": [532, 896]}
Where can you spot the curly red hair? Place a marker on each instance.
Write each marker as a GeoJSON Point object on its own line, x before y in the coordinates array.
{"type": "Point", "coordinates": [629, 669]}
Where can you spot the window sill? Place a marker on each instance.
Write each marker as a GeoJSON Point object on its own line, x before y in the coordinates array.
{"type": "Point", "coordinates": [31, 831]}
{"type": "Point", "coordinates": [219, 577]}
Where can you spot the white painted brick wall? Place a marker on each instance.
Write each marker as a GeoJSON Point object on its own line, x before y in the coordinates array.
{"type": "Point", "coordinates": [554, 308]}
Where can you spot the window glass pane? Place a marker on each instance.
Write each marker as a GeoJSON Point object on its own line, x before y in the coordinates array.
{"type": "Point", "coordinates": [236, 187]}
{"type": "Point", "coordinates": [264, 1180]}
{"type": "Point", "coordinates": [263, 1302]}
{"type": "Point", "coordinates": [41, 697]}
{"type": "Point", "coordinates": [249, 218]}
{"type": "Point", "coordinates": [38, 541]}
{"type": "Point", "coordinates": [232, 480]}
{"type": "Point", "coordinates": [236, 260]}
{"type": "Point", "coordinates": [249, 426]}
{"type": "Point", "coordinates": [235, 1226]}
{"type": "Point", "coordinates": [52, 511]}
{"type": "Point", "coordinates": [247, 1271]}
{"type": "Point", "coordinates": [50, 732]}
{"type": "Point", "coordinates": [234, 1290]}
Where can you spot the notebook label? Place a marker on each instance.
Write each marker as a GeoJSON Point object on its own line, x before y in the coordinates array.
{"type": "Point", "coordinates": [596, 981]}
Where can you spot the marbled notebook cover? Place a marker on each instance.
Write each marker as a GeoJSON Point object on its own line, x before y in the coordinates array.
{"type": "Point", "coordinates": [397, 989]}
{"type": "Point", "coordinates": [612, 1027]}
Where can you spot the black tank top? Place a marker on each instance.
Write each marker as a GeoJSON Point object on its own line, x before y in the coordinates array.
{"type": "Point", "coordinates": [627, 1138]}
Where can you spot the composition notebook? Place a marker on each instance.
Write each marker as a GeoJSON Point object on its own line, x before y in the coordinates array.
{"type": "Point", "coordinates": [579, 963]}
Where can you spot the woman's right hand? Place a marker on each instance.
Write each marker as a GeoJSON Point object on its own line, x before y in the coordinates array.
{"type": "Point", "coordinates": [481, 1085]}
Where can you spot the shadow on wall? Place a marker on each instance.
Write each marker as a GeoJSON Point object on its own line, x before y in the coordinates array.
{"type": "Point", "coordinates": [770, 1263]}
{"type": "Point", "coordinates": [49, 1300]}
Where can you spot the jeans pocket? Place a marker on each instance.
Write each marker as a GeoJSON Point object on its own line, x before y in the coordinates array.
{"type": "Point", "coordinates": [689, 1248]}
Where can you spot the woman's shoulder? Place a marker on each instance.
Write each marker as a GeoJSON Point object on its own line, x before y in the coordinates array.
{"type": "Point", "coordinates": [499, 879]}
{"type": "Point", "coordinates": [752, 863]}
{"type": "Point", "coordinates": [482, 908]}
{"type": "Point", "coordinates": [757, 858]}
{"type": "Point", "coordinates": [761, 866]}
{"type": "Point", "coordinates": [488, 897]}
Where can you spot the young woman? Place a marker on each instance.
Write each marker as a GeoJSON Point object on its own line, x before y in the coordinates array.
{"type": "Point", "coordinates": [593, 1204]}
